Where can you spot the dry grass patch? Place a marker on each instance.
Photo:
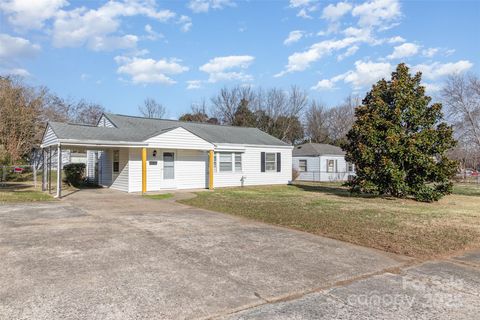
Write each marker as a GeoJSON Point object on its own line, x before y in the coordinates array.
{"type": "Point", "coordinates": [395, 225]}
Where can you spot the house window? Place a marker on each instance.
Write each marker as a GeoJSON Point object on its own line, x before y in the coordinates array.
{"type": "Point", "coordinates": [349, 167]}
{"type": "Point", "coordinates": [116, 161]}
{"type": "Point", "coordinates": [226, 162]}
{"type": "Point", "coordinates": [215, 157]}
{"type": "Point", "coordinates": [302, 165]}
{"type": "Point", "coordinates": [330, 165]}
{"type": "Point", "coordinates": [271, 162]}
{"type": "Point", "coordinates": [238, 162]}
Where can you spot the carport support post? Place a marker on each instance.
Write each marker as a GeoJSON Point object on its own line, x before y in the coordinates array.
{"type": "Point", "coordinates": [50, 170]}
{"type": "Point", "coordinates": [59, 171]}
{"type": "Point", "coordinates": [44, 174]}
{"type": "Point", "coordinates": [144, 170]}
{"type": "Point", "coordinates": [210, 169]}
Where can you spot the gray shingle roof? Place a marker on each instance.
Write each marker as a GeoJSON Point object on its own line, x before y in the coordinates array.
{"type": "Point", "coordinates": [137, 129]}
{"type": "Point", "coordinates": [317, 149]}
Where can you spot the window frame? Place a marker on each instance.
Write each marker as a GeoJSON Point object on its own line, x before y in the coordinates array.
{"type": "Point", "coordinates": [305, 166]}
{"type": "Point", "coordinates": [225, 154]}
{"type": "Point", "coordinates": [328, 166]}
{"type": "Point", "coordinates": [274, 162]}
{"type": "Point", "coordinates": [116, 161]}
{"type": "Point", "coordinates": [235, 154]}
{"type": "Point", "coordinates": [233, 162]}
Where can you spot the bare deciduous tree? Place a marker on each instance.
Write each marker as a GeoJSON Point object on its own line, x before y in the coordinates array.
{"type": "Point", "coordinates": [316, 123]}
{"type": "Point", "coordinates": [20, 108]}
{"type": "Point", "coordinates": [341, 119]}
{"type": "Point", "coordinates": [87, 112]}
{"type": "Point", "coordinates": [461, 95]}
{"type": "Point", "coordinates": [152, 109]}
{"type": "Point", "coordinates": [225, 104]}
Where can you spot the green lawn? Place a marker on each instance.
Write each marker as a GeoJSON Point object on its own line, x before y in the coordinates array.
{"type": "Point", "coordinates": [22, 193]}
{"type": "Point", "coordinates": [161, 196]}
{"type": "Point", "coordinates": [395, 225]}
{"type": "Point", "coordinates": [467, 189]}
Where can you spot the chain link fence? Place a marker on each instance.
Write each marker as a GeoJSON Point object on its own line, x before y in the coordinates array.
{"type": "Point", "coordinates": [325, 176]}
{"type": "Point", "coordinates": [20, 175]}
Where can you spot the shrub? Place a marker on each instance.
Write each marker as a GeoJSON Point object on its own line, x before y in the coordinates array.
{"type": "Point", "coordinates": [74, 173]}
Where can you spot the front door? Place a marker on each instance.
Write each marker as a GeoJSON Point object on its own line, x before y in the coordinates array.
{"type": "Point", "coordinates": [168, 170]}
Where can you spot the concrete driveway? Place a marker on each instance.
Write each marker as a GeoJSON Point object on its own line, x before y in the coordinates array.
{"type": "Point", "coordinates": [101, 254]}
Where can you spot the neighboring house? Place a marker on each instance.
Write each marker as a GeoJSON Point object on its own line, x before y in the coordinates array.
{"type": "Point", "coordinates": [68, 156]}
{"type": "Point", "coordinates": [136, 154]}
{"type": "Point", "coordinates": [321, 162]}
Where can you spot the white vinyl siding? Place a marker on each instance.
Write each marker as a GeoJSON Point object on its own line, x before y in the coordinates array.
{"type": "Point", "coordinates": [104, 122]}
{"type": "Point", "coordinates": [190, 170]}
{"type": "Point", "coordinates": [120, 179]}
{"type": "Point", "coordinates": [317, 168]}
{"type": "Point", "coordinates": [50, 138]}
{"type": "Point", "coordinates": [179, 138]}
{"type": "Point", "coordinates": [251, 169]}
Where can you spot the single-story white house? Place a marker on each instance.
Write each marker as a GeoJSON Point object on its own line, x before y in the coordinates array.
{"type": "Point", "coordinates": [135, 154]}
{"type": "Point", "coordinates": [321, 162]}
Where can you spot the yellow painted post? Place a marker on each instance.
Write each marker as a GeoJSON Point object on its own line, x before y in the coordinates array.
{"type": "Point", "coordinates": [144, 170]}
{"type": "Point", "coordinates": [210, 169]}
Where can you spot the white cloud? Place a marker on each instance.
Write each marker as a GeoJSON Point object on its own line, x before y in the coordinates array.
{"type": "Point", "coordinates": [396, 39]}
{"type": "Point", "coordinates": [430, 52]}
{"type": "Point", "coordinates": [94, 27]}
{"type": "Point", "coordinates": [365, 73]}
{"type": "Point", "coordinates": [152, 34]}
{"type": "Point", "coordinates": [300, 61]}
{"type": "Point", "coordinates": [201, 6]}
{"type": "Point", "coordinates": [305, 7]}
{"type": "Point", "coordinates": [334, 12]}
{"type": "Point", "coordinates": [377, 12]}
{"type": "Point", "coordinates": [28, 14]}
{"type": "Point", "coordinates": [293, 37]}
{"type": "Point", "coordinates": [220, 68]}
{"type": "Point", "coordinates": [404, 50]}
{"type": "Point", "coordinates": [436, 70]}
{"type": "Point", "coordinates": [186, 23]}
{"type": "Point", "coordinates": [432, 87]}
{"type": "Point", "coordinates": [149, 70]}
{"type": "Point", "coordinates": [14, 47]}
{"type": "Point", "coordinates": [300, 3]}
{"type": "Point", "coordinates": [349, 52]}
{"type": "Point", "coordinates": [324, 84]}
{"type": "Point", "coordinates": [194, 84]}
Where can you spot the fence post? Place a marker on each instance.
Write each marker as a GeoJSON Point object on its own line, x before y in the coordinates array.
{"type": "Point", "coordinates": [35, 176]}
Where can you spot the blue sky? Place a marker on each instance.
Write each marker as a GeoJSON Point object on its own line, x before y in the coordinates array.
{"type": "Point", "coordinates": [117, 53]}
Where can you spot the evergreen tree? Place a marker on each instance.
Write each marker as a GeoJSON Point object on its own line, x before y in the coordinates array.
{"type": "Point", "coordinates": [243, 116]}
{"type": "Point", "coordinates": [398, 142]}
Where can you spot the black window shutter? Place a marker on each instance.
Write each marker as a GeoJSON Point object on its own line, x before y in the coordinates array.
{"type": "Point", "coordinates": [262, 162]}
{"type": "Point", "coordinates": [279, 162]}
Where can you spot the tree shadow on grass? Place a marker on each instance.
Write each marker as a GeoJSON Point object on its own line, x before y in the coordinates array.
{"type": "Point", "coordinates": [12, 187]}
{"type": "Point", "coordinates": [336, 190]}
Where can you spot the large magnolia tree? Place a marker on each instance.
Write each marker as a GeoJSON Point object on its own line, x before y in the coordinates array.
{"type": "Point", "coordinates": [399, 141]}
